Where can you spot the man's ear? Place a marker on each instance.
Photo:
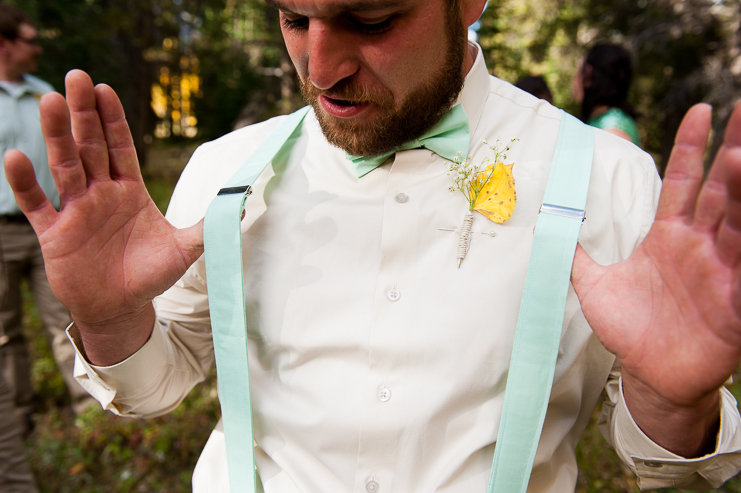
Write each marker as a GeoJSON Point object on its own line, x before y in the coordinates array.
{"type": "Point", "coordinates": [472, 10]}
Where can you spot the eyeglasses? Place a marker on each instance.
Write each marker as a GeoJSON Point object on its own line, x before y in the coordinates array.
{"type": "Point", "coordinates": [30, 41]}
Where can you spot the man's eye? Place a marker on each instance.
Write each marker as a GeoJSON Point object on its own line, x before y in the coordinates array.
{"type": "Point", "coordinates": [296, 24]}
{"type": "Point", "coordinates": [375, 27]}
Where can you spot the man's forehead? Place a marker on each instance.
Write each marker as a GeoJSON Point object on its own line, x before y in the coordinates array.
{"type": "Point", "coordinates": [321, 8]}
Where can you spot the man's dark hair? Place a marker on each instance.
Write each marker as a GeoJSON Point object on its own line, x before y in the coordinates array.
{"type": "Point", "coordinates": [607, 74]}
{"type": "Point", "coordinates": [11, 18]}
{"type": "Point", "coordinates": [535, 85]}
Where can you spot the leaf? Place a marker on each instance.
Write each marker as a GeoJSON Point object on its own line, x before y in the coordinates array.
{"type": "Point", "coordinates": [497, 198]}
{"type": "Point", "coordinates": [76, 469]}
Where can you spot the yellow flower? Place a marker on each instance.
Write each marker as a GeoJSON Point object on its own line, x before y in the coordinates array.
{"type": "Point", "coordinates": [493, 192]}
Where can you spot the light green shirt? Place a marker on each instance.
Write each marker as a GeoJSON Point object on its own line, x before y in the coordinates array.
{"type": "Point", "coordinates": [617, 119]}
{"type": "Point", "coordinates": [20, 128]}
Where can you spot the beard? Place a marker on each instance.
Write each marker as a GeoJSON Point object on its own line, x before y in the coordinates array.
{"type": "Point", "coordinates": [395, 123]}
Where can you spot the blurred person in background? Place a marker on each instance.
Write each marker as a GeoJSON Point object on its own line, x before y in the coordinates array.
{"type": "Point", "coordinates": [537, 86]}
{"type": "Point", "coordinates": [20, 253]}
{"type": "Point", "coordinates": [601, 86]}
{"type": "Point", "coordinates": [15, 475]}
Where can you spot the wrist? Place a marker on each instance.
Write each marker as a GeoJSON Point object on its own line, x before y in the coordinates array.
{"type": "Point", "coordinates": [687, 429]}
{"type": "Point", "coordinates": [113, 340]}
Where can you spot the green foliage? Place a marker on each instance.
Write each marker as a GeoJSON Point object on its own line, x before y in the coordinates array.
{"type": "Point", "coordinates": [238, 45]}
{"type": "Point", "coordinates": [685, 52]}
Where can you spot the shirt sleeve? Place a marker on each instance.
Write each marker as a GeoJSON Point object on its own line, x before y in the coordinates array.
{"type": "Point", "coordinates": [657, 467]}
{"type": "Point", "coordinates": [177, 356]}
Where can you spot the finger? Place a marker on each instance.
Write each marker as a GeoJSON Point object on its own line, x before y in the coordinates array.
{"type": "Point", "coordinates": [728, 241]}
{"type": "Point", "coordinates": [712, 204]}
{"type": "Point", "coordinates": [86, 126]}
{"type": "Point", "coordinates": [736, 294]}
{"type": "Point", "coordinates": [121, 150]}
{"type": "Point", "coordinates": [684, 171]}
{"type": "Point", "coordinates": [64, 160]}
{"type": "Point", "coordinates": [28, 194]}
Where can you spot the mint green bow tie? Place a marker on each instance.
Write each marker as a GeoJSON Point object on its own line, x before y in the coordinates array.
{"type": "Point", "coordinates": [446, 138]}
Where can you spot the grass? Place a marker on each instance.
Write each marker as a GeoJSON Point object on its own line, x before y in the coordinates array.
{"type": "Point", "coordinates": [100, 452]}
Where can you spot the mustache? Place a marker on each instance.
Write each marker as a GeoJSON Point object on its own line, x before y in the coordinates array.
{"type": "Point", "coordinates": [348, 90]}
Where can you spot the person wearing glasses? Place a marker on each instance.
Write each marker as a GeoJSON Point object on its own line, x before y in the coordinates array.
{"type": "Point", "coordinates": [20, 253]}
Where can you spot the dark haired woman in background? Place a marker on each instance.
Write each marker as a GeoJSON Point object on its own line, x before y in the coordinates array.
{"type": "Point", "coordinates": [601, 86]}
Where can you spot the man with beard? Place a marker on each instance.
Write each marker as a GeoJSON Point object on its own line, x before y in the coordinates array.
{"type": "Point", "coordinates": [378, 362]}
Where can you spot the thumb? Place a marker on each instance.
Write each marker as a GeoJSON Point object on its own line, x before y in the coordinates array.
{"type": "Point", "coordinates": [28, 193]}
{"type": "Point", "coordinates": [585, 272]}
{"type": "Point", "coordinates": [190, 242]}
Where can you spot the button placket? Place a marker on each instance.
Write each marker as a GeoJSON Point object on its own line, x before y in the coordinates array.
{"type": "Point", "coordinates": [388, 342]}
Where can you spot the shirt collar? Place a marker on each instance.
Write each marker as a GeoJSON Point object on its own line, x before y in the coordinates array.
{"type": "Point", "coordinates": [28, 85]}
{"type": "Point", "coordinates": [475, 89]}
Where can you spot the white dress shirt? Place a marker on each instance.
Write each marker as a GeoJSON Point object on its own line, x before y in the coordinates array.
{"type": "Point", "coordinates": [376, 363]}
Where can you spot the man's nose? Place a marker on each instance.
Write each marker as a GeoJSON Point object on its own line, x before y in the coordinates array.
{"type": "Point", "coordinates": [331, 54]}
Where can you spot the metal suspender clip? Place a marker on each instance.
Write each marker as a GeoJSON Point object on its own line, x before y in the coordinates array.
{"type": "Point", "coordinates": [557, 210]}
{"type": "Point", "coordinates": [230, 190]}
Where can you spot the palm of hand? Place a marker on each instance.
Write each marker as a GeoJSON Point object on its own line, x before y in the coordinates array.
{"type": "Point", "coordinates": [109, 251]}
{"type": "Point", "coordinates": [668, 312]}
{"type": "Point", "coordinates": [665, 313]}
{"type": "Point", "coordinates": [120, 232]}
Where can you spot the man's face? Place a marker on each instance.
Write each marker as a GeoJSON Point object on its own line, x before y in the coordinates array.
{"type": "Point", "coordinates": [22, 53]}
{"type": "Point", "coordinates": [377, 72]}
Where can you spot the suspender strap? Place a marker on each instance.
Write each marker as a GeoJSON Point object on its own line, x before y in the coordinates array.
{"type": "Point", "coordinates": [538, 328]}
{"type": "Point", "coordinates": [541, 317]}
{"type": "Point", "coordinates": [223, 246]}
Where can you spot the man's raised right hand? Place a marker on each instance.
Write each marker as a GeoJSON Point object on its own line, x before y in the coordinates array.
{"type": "Point", "coordinates": [109, 251]}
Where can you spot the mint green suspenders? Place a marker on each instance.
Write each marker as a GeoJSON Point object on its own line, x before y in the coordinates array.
{"type": "Point", "coordinates": [223, 242]}
{"type": "Point", "coordinates": [542, 308]}
{"type": "Point", "coordinates": [538, 329]}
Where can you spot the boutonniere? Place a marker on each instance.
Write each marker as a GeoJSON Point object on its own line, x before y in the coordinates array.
{"type": "Point", "coordinates": [489, 189]}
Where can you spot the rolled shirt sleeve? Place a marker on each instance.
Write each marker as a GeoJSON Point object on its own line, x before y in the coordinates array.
{"type": "Point", "coordinates": [657, 467]}
{"type": "Point", "coordinates": [177, 356]}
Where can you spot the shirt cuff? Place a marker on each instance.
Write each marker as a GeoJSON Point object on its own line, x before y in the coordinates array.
{"type": "Point", "coordinates": [657, 467]}
{"type": "Point", "coordinates": [123, 380]}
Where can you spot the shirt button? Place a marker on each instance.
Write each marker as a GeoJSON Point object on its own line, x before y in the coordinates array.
{"type": "Point", "coordinates": [402, 198]}
{"type": "Point", "coordinates": [394, 295]}
{"type": "Point", "coordinates": [372, 487]}
{"type": "Point", "coordinates": [384, 394]}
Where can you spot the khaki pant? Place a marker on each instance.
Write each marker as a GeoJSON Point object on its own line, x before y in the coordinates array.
{"type": "Point", "coordinates": [15, 475]}
{"type": "Point", "coordinates": [20, 257]}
